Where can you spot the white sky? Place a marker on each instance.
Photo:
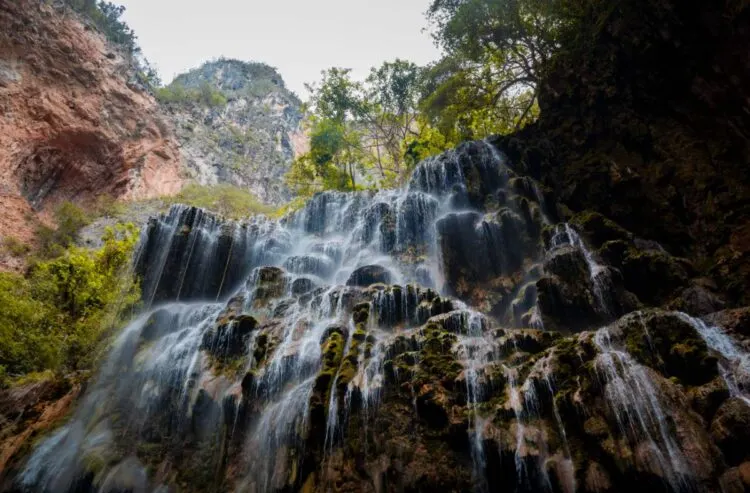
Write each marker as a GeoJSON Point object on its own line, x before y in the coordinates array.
{"type": "Point", "coordinates": [298, 37]}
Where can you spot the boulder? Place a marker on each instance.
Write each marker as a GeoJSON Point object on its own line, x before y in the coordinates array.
{"type": "Point", "coordinates": [368, 275]}
{"type": "Point", "coordinates": [731, 430]}
{"type": "Point", "coordinates": [302, 285]}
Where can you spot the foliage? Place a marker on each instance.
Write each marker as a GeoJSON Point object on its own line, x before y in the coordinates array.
{"type": "Point", "coordinates": [69, 219]}
{"type": "Point", "coordinates": [177, 93]}
{"type": "Point", "coordinates": [53, 318]}
{"type": "Point", "coordinates": [15, 247]}
{"type": "Point", "coordinates": [495, 53]}
{"type": "Point", "coordinates": [359, 129]}
{"type": "Point", "coordinates": [224, 199]}
{"type": "Point", "coordinates": [427, 141]}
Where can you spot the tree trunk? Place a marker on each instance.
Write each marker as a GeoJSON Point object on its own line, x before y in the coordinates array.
{"type": "Point", "coordinates": [351, 173]}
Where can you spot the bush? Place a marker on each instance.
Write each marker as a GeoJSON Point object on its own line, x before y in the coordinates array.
{"type": "Point", "coordinates": [227, 200]}
{"type": "Point", "coordinates": [53, 318]}
{"type": "Point", "coordinates": [15, 247]}
{"type": "Point", "coordinates": [177, 93]}
{"type": "Point", "coordinates": [70, 219]}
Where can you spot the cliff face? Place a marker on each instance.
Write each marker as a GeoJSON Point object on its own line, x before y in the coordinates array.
{"type": "Point", "coordinates": [645, 120]}
{"type": "Point", "coordinates": [241, 126]}
{"type": "Point", "coordinates": [72, 124]}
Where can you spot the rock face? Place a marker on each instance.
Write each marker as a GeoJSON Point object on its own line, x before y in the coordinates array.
{"type": "Point", "coordinates": [648, 126]}
{"type": "Point", "coordinates": [537, 330]}
{"type": "Point", "coordinates": [396, 341]}
{"type": "Point", "coordinates": [249, 140]}
{"type": "Point", "coordinates": [72, 124]}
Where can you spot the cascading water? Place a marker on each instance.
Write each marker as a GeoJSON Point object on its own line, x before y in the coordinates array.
{"type": "Point", "coordinates": [598, 274]}
{"type": "Point", "coordinates": [271, 349]}
{"type": "Point", "coordinates": [735, 369]}
{"type": "Point", "coordinates": [639, 410]}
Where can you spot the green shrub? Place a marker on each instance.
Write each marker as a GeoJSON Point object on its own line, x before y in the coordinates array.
{"type": "Point", "coordinates": [54, 318]}
{"type": "Point", "coordinates": [15, 247]}
{"type": "Point", "coordinates": [227, 200]}
{"type": "Point", "coordinates": [177, 93]}
{"type": "Point", "coordinates": [70, 219]}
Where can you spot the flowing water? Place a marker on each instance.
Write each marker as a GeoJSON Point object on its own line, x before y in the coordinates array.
{"type": "Point", "coordinates": [735, 367]}
{"type": "Point", "coordinates": [638, 408]}
{"type": "Point", "coordinates": [599, 275]}
{"type": "Point", "coordinates": [259, 336]}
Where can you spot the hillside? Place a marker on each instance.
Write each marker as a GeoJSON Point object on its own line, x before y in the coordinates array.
{"type": "Point", "coordinates": [238, 124]}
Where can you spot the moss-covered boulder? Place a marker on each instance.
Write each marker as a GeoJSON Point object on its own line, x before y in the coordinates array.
{"type": "Point", "coordinates": [599, 229]}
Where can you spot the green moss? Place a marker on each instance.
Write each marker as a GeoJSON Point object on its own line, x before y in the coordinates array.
{"type": "Point", "coordinates": [598, 228]}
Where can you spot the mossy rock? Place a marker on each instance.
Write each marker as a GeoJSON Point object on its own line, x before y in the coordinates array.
{"type": "Point", "coordinates": [730, 429]}
{"type": "Point", "coordinates": [666, 342]}
{"type": "Point", "coordinates": [599, 229]}
{"type": "Point", "coordinates": [652, 275]}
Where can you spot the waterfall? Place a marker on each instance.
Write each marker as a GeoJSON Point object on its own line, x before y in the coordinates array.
{"type": "Point", "coordinates": [601, 283]}
{"type": "Point", "coordinates": [638, 409]}
{"type": "Point", "coordinates": [735, 367]}
{"type": "Point", "coordinates": [268, 350]}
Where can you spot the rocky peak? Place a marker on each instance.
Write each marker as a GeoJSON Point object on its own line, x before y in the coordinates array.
{"type": "Point", "coordinates": [238, 124]}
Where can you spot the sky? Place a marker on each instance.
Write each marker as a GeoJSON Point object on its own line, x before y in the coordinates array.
{"type": "Point", "coordinates": [298, 37]}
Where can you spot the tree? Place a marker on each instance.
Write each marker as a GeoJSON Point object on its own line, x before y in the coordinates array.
{"type": "Point", "coordinates": [336, 106]}
{"type": "Point", "coordinates": [392, 94]}
{"type": "Point", "coordinates": [495, 51]}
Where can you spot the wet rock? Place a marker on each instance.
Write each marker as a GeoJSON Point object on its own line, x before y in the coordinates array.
{"type": "Point", "coordinates": [317, 265]}
{"type": "Point", "coordinates": [666, 341]}
{"type": "Point", "coordinates": [127, 476]}
{"type": "Point", "coordinates": [697, 300]}
{"type": "Point", "coordinates": [599, 229]}
{"type": "Point", "coordinates": [597, 480]}
{"type": "Point", "coordinates": [368, 275]}
{"type": "Point", "coordinates": [730, 429]}
{"type": "Point", "coordinates": [732, 482]}
{"type": "Point", "coordinates": [569, 264]}
{"type": "Point", "coordinates": [735, 321]}
{"type": "Point", "coordinates": [270, 283]}
{"type": "Point", "coordinates": [431, 406]}
{"type": "Point", "coordinates": [744, 470]}
{"type": "Point", "coordinates": [160, 323]}
{"type": "Point", "coordinates": [652, 275]}
{"type": "Point", "coordinates": [302, 285]}
{"type": "Point", "coordinates": [707, 398]}
{"type": "Point", "coordinates": [230, 339]}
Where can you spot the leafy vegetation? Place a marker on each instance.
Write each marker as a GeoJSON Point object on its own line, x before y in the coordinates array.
{"type": "Point", "coordinates": [224, 199]}
{"type": "Point", "coordinates": [54, 317]}
{"type": "Point", "coordinates": [359, 129]}
{"type": "Point", "coordinates": [494, 55]}
{"type": "Point", "coordinates": [179, 94]}
{"type": "Point", "coordinates": [69, 219]}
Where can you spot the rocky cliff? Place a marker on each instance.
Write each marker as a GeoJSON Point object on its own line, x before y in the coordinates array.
{"type": "Point", "coordinates": [644, 119]}
{"type": "Point", "coordinates": [73, 123]}
{"type": "Point", "coordinates": [238, 124]}
{"type": "Point", "coordinates": [330, 360]}
{"type": "Point", "coordinates": [560, 310]}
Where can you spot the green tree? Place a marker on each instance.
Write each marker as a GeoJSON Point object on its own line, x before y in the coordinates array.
{"type": "Point", "coordinates": [336, 145]}
{"type": "Point", "coordinates": [392, 96]}
{"type": "Point", "coordinates": [495, 53]}
{"type": "Point", "coordinates": [54, 318]}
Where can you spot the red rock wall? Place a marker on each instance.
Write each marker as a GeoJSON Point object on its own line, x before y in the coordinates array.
{"type": "Point", "coordinates": [71, 126]}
